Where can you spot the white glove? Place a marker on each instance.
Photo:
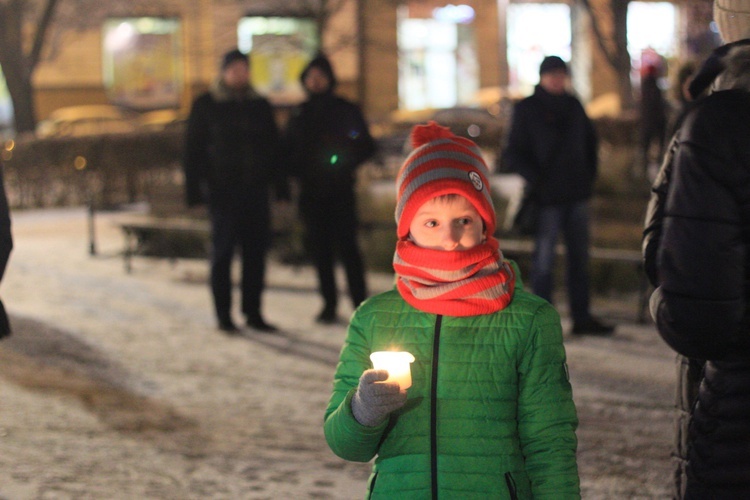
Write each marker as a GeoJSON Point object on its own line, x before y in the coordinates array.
{"type": "Point", "coordinates": [374, 399]}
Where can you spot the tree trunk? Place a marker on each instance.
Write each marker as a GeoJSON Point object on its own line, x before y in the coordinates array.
{"type": "Point", "coordinates": [621, 54]}
{"type": "Point", "coordinates": [18, 65]}
{"type": "Point", "coordinates": [614, 46]}
{"type": "Point", "coordinates": [15, 67]}
{"type": "Point", "coordinates": [22, 96]}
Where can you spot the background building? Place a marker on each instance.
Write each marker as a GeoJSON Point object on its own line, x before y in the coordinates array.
{"type": "Point", "coordinates": [389, 55]}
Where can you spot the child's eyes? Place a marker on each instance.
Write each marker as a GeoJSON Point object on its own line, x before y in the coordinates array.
{"type": "Point", "coordinates": [463, 221]}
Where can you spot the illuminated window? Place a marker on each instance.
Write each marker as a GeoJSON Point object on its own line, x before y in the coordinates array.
{"type": "Point", "coordinates": [652, 34]}
{"type": "Point", "coordinates": [652, 25]}
{"type": "Point", "coordinates": [437, 57]}
{"type": "Point", "coordinates": [142, 62]}
{"type": "Point", "coordinates": [535, 30]}
{"type": "Point", "coordinates": [279, 49]}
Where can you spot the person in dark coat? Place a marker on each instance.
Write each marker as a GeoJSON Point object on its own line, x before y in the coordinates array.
{"type": "Point", "coordinates": [552, 144]}
{"type": "Point", "coordinates": [653, 117]}
{"type": "Point", "coordinates": [6, 246]}
{"type": "Point", "coordinates": [697, 255]}
{"type": "Point", "coordinates": [231, 161]}
{"type": "Point", "coordinates": [328, 139]}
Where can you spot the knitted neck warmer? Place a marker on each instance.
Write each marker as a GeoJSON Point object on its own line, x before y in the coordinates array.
{"type": "Point", "coordinates": [462, 283]}
{"type": "Point", "coordinates": [220, 92]}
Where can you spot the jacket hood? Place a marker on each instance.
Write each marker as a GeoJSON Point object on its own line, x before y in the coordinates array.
{"type": "Point", "coordinates": [321, 62]}
{"type": "Point", "coordinates": [726, 68]}
{"type": "Point", "coordinates": [737, 72]}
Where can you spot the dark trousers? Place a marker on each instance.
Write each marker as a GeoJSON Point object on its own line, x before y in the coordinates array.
{"type": "Point", "coordinates": [718, 434]}
{"type": "Point", "coordinates": [572, 220]}
{"type": "Point", "coordinates": [331, 230]}
{"type": "Point", "coordinates": [239, 224]}
{"type": "Point", "coordinates": [689, 375]}
{"type": "Point", "coordinates": [650, 134]}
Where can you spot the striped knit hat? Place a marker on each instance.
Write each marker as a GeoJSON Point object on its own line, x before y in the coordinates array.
{"type": "Point", "coordinates": [442, 163]}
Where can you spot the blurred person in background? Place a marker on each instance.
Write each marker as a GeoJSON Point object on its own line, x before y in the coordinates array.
{"type": "Point", "coordinates": [697, 256]}
{"type": "Point", "coordinates": [552, 144]}
{"type": "Point", "coordinates": [327, 139]}
{"type": "Point", "coordinates": [231, 161]}
{"type": "Point", "coordinates": [653, 120]}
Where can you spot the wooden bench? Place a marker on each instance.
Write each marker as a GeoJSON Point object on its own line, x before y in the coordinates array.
{"type": "Point", "coordinates": [167, 235]}
{"type": "Point", "coordinates": [513, 247]}
{"type": "Point", "coordinates": [171, 233]}
{"type": "Point", "coordinates": [526, 247]}
{"type": "Point", "coordinates": [171, 237]}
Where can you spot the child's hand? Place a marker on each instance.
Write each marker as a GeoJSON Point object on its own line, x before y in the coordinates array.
{"type": "Point", "coordinates": [374, 400]}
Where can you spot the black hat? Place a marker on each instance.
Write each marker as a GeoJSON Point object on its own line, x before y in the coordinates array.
{"type": "Point", "coordinates": [552, 63]}
{"type": "Point", "coordinates": [232, 56]}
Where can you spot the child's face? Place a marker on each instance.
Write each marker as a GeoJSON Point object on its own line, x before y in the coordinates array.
{"type": "Point", "coordinates": [447, 224]}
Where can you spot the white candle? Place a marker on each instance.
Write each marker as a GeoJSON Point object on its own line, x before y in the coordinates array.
{"type": "Point", "coordinates": [396, 363]}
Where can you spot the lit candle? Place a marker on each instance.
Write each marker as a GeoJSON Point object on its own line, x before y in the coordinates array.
{"type": "Point", "coordinates": [396, 363]}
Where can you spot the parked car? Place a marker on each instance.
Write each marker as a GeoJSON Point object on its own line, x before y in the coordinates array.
{"type": "Point", "coordinates": [86, 120]}
{"type": "Point", "coordinates": [106, 119]}
{"type": "Point", "coordinates": [477, 124]}
{"type": "Point", "coordinates": [161, 119]}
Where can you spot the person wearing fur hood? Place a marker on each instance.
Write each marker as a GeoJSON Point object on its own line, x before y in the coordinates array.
{"type": "Point", "coordinates": [697, 255]}
{"type": "Point", "coordinates": [231, 161]}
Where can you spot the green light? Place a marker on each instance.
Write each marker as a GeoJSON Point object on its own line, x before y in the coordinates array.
{"type": "Point", "coordinates": [334, 159]}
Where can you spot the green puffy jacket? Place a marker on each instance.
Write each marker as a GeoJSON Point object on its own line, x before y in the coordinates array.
{"type": "Point", "coordinates": [490, 413]}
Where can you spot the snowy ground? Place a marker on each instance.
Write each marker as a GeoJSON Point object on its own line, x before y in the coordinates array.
{"type": "Point", "coordinates": [117, 385]}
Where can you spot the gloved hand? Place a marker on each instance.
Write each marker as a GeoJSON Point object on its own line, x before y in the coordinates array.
{"type": "Point", "coordinates": [375, 400]}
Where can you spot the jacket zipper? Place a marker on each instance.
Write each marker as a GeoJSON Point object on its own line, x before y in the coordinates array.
{"type": "Point", "coordinates": [433, 406]}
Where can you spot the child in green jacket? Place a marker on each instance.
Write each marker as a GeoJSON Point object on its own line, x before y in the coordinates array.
{"type": "Point", "coordinates": [489, 413]}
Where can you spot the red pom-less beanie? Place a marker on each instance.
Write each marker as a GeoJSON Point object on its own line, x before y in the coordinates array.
{"type": "Point", "coordinates": [441, 164]}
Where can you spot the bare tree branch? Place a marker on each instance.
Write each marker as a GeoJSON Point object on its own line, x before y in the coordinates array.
{"type": "Point", "coordinates": [41, 32]}
{"type": "Point", "coordinates": [599, 35]}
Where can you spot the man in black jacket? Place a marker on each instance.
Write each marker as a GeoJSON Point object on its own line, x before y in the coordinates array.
{"type": "Point", "coordinates": [553, 145]}
{"type": "Point", "coordinates": [697, 255]}
{"type": "Point", "coordinates": [230, 162]}
{"type": "Point", "coordinates": [327, 139]}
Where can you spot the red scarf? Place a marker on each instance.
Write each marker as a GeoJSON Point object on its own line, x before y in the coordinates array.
{"type": "Point", "coordinates": [462, 283]}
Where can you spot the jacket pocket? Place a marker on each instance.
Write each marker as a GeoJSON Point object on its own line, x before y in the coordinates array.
{"type": "Point", "coordinates": [511, 484]}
